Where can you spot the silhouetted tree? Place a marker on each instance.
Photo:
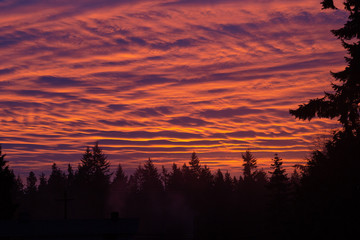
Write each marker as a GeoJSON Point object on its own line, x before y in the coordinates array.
{"type": "Point", "coordinates": [279, 186]}
{"type": "Point", "coordinates": [195, 167]}
{"type": "Point", "coordinates": [94, 165]}
{"type": "Point", "coordinates": [249, 167]}
{"type": "Point", "coordinates": [149, 178]}
{"type": "Point", "coordinates": [57, 180]}
{"type": "Point", "coordinates": [330, 181]}
{"type": "Point", "coordinates": [91, 183]}
{"type": "Point", "coordinates": [119, 191]}
{"type": "Point", "coordinates": [42, 182]}
{"type": "Point", "coordinates": [19, 185]}
{"type": "Point", "coordinates": [7, 189]}
{"type": "Point", "coordinates": [70, 176]}
{"type": "Point", "coordinates": [344, 102]}
{"type": "Point", "coordinates": [31, 183]}
{"type": "Point", "coordinates": [146, 197]}
{"type": "Point", "coordinates": [174, 180]}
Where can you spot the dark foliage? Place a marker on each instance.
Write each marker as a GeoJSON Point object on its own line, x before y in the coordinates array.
{"type": "Point", "coordinates": [344, 101]}
{"type": "Point", "coordinates": [329, 191]}
{"type": "Point", "coordinates": [8, 188]}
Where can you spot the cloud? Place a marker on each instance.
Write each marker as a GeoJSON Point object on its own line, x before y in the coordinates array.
{"type": "Point", "coordinates": [188, 121]}
{"type": "Point", "coordinates": [162, 79]}
{"type": "Point", "coordinates": [180, 43]}
{"type": "Point", "coordinates": [118, 123]}
{"type": "Point", "coordinates": [57, 81]}
{"type": "Point", "coordinates": [152, 112]}
{"type": "Point", "coordinates": [15, 38]}
{"type": "Point", "coordinates": [6, 71]}
{"type": "Point", "coordinates": [117, 107]}
{"type": "Point", "coordinates": [228, 112]}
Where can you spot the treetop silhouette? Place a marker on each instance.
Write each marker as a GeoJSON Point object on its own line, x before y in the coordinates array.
{"type": "Point", "coordinates": [249, 166]}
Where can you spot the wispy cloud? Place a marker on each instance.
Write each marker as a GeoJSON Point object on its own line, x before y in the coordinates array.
{"type": "Point", "coordinates": [162, 78]}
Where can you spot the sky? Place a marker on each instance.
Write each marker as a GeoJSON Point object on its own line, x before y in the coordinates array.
{"type": "Point", "coordinates": [163, 78]}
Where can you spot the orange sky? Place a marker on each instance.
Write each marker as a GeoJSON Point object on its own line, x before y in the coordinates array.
{"type": "Point", "coordinates": [161, 79]}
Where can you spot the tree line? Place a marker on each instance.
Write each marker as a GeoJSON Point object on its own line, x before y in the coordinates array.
{"type": "Point", "coordinates": [191, 198]}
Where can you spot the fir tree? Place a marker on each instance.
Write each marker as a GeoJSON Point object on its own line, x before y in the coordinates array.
{"type": "Point", "coordinates": [7, 189]}
{"type": "Point", "coordinates": [278, 181]}
{"type": "Point", "coordinates": [42, 183]}
{"type": "Point", "coordinates": [195, 165]}
{"type": "Point", "coordinates": [249, 166]}
{"type": "Point", "coordinates": [31, 183]}
{"type": "Point", "coordinates": [343, 103]}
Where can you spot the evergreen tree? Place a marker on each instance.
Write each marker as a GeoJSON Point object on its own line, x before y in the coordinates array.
{"type": "Point", "coordinates": [31, 183]}
{"type": "Point", "coordinates": [56, 180]}
{"type": "Point", "coordinates": [194, 164]}
{"type": "Point", "coordinates": [119, 191]}
{"type": "Point", "coordinates": [330, 183]}
{"type": "Point", "coordinates": [279, 199]}
{"type": "Point", "coordinates": [91, 183]}
{"type": "Point", "coordinates": [42, 183]}
{"type": "Point", "coordinates": [175, 180]}
{"type": "Point", "coordinates": [344, 102]}
{"type": "Point", "coordinates": [120, 176]}
{"type": "Point", "coordinates": [279, 183]}
{"type": "Point", "coordinates": [249, 166]}
{"type": "Point", "coordinates": [149, 178]}
{"type": "Point", "coordinates": [7, 189]}
{"type": "Point", "coordinates": [94, 166]}
{"type": "Point", "coordinates": [70, 176]}
{"type": "Point", "coordinates": [19, 185]}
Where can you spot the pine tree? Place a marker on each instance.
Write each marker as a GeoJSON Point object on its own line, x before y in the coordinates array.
{"type": "Point", "coordinates": [195, 166]}
{"type": "Point", "coordinates": [31, 183]}
{"type": "Point", "coordinates": [149, 178]}
{"type": "Point", "coordinates": [119, 191]}
{"type": "Point", "coordinates": [42, 182]}
{"type": "Point", "coordinates": [94, 165]}
{"type": "Point", "coordinates": [344, 103]}
{"type": "Point", "coordinates": [120, 176]}
{"type": "Point", "coordinates": [249, 166]}
{"type": "Point", "coordinates": [57, 179]}
{"type": "Point", "coordinates": [91, 183]}
{"type": "Point", "coordinates": [330, 179]}
{"type": "Point", "coordinates": [175, 179]}
{"type": "Point", "coordinates": [279, 198]}
{"type": "Point", "coordinates": [7, 189]}
{"type": "Point", "coordinates": [278, 180]}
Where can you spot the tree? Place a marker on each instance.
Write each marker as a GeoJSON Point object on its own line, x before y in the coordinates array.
{"type": "Point", "coordinates": [279, 199]}
{"type": "Point", "coordinates": [91, 183]}
{"type": "Point", "coordinates": [249, 166]}
{"type": "Point", "coordinates": [70, 176]}
{"type": "Point", "coordinates": [42, 183]}
{"type": "Point", "coordinates": [56, 180]}
{"type": "Point", "coordinates": [345, 101]}
{"type": "Point", "coordinates": [120, 176]}
{"type": "Point", "coordinates": [94, 166]}
{"type": "Point", "coordinates": [149, 178]}
{"type": "Point", "coordinates": [330, 183]}
{"type": "Point", "coordinates": [31, 183]}
{"type": "Point", "coordinates": [194, 164]}
{"type": "Point", "coordinates": [175, 179]}
{"type": "Point", "coordinates": [7, 189]}
{"type": "Point", "coordinates": [118, 192]}
{"type": "Point", "coordinates": [279, 182]}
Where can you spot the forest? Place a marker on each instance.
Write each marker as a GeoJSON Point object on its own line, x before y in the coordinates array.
{"type": "Point", "coordinates": [319, 198]}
